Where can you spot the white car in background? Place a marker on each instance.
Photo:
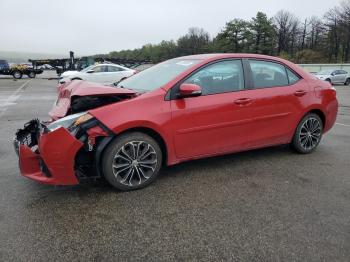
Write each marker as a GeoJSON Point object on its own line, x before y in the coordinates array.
{"type": "Point", "coordinates": [101, 73]}
{"type": "Point", "coordinates": [334, 76]}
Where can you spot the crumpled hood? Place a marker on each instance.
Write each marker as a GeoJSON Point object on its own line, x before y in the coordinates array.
{"type": "Point", "coordinates": [83, 88]}
{"type": "Point", "coordinates": [77, 88]}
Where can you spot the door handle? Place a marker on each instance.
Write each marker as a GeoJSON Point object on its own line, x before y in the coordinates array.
{"type": "Point", "coordinates": [300, 93]}
{"type": "Point", "coordinates": [243, 101]}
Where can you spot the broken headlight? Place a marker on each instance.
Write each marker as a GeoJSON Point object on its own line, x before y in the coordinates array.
{"type": "Point", "coordinates": [70, 121]}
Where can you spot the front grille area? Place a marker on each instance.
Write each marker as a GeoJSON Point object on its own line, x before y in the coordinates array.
{"type": "Point", "coordinates": [28, 135]}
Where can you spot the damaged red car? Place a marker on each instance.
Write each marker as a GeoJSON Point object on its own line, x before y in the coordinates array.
{"type": "Point", "coordinates": [185, 108]}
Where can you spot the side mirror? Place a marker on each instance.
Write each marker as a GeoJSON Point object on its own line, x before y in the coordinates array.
{"type": "Point", "coordinates": [189, 90]}
{"type": "Point", "coordinates": [90, 71]}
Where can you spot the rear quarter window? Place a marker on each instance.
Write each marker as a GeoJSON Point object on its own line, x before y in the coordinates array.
{"type": "Point", "coordinates": [292, 77]}
{"type": "Point", "coordinates": [115, 69]}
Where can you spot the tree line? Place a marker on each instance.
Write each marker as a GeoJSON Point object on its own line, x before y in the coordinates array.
{"type": "Point", "coordinates": [315, 39]}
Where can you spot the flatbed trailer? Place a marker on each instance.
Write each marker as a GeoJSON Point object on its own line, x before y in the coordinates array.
{"type": "Point", "coordinates": [72, 63]}
{"type": "Point", "coordinates": [18, 71]}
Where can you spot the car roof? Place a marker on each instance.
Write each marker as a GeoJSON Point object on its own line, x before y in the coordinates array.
{"type": "Point", "coordinates": [215, 56]}
{"type": "Point", "coordinates": [212, 57]}
{"type": "Point", "coordinates": [106, 64]}
{"type": "Point", "coordinates": [110, 64]}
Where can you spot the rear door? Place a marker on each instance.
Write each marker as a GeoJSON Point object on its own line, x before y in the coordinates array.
{"type": "Point", "coordinates": [114, 74]}
{"type": "Point", "coordinates": [98, 75]}
{"type": "Point", "coordinates": [279, 96]}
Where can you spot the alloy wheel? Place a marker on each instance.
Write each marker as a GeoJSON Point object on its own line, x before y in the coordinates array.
{"type": "Point", "coordinates": [310, 133]}
{"type": "Point", "coordinates": [134, 163]}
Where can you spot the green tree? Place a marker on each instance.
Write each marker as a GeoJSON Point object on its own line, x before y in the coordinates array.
{"type": "Point", "coordinates": [234, 37]}
{"type": "Point", "coordinates": [263, 34]}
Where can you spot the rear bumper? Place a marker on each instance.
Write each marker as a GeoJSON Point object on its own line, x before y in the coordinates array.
{"type": "Point", "coordinates": [47, 157]}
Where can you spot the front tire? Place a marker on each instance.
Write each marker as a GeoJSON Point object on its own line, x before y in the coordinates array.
{"type": "Point", "coordinates": [132, 161]}
{"type": "Point", "coordinates": [308, 134]}
{"type": "Point", "coordinates": [17, 74]}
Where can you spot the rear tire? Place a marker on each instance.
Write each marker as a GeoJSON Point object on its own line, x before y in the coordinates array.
{"type": "Point", "coordinates": [31, 75]}
{"type": "Point", "coordinates": [347, 82]}
{"type": "Point", "coordinates": [17, 74]}
{"type": "Point", "coordinates": [132, 161]}
{"type": "Point", "coordinates": [308, 134]}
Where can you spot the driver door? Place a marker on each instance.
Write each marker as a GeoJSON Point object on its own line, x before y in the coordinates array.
{"type": "Point", "coordinates": [219, 120]}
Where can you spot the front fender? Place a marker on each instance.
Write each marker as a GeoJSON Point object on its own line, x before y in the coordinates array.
{"type": "Point", "coordinates": [149, 111]}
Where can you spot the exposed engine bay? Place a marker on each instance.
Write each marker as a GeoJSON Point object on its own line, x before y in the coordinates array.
{"type": "Point", "coordinates": [84, 103]}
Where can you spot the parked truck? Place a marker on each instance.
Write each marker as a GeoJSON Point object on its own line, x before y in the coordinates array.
{"type": "Point", "coordinates": [17, 71]}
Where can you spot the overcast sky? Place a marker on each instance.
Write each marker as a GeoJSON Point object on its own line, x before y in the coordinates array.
{"type": "Point", "coordinates": [101, 26]}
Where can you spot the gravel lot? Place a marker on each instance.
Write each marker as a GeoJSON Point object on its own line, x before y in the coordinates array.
{"type": "Point", "coordinates": [262, 205]}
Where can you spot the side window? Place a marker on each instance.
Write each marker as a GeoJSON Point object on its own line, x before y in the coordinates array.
{"type": "Point", "coordinates": [292, 78]}
{"type": "Point", "coordinates": [268, 74]}
{"type": "Point", "coordinates": [343, 72]}
{"type": "Point", "coordinates": [120, 68]}
{"type": "Point", "coordinates": [98, 69]}
{"type": "Point", "coordinates": [221, 77]}
{"type": "Point", "coordinates": [114, 69]}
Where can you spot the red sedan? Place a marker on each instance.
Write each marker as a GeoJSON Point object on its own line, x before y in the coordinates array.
{"type": "Point", "coordinates": [185, 108]}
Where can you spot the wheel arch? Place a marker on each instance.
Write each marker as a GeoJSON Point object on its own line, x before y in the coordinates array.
{"type": "Point", "coordinates": [318, 112]}
{"type": "Point", "coordinates": [123, 78]}
{"type": "Point", "coordinates": [155, 135]}
{"type": "Point", "coordinates": [314, 110]}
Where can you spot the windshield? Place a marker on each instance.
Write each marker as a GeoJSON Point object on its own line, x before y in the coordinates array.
{"type": "Point", "coordinates": [325, 72]}
{"type": "Point", "coordinates": [158, 75]}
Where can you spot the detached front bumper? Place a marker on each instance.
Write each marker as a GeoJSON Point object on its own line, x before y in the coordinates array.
{"type": "Point", "coordinates": [47, 156]}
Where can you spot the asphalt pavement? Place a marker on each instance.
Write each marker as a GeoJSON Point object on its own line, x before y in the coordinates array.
{"type": "Point", "coordinates": [262, 205]}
